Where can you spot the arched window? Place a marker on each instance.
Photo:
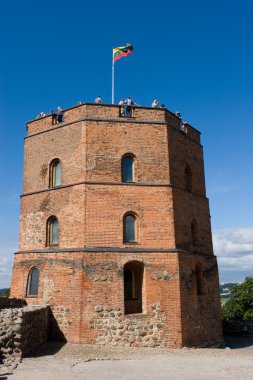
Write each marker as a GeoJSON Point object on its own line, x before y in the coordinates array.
{"type": "Point", "coordinates": [188, 178]}
{"type": "Point", "coordinates": [55, 173]}
{"type": "Point", "coordinates": [129, 228]}
{"type": "Point", "coordinates": [194, 232]}
{"type": "Point", "coordinates": [52, 231]}
{"type": "Point", "coordinates": [133, 283]}
{"type": "Point", "coordinates": [33, 282]}
{"type": "Point", "coordinates": [199, 280]}
{"type": "Point", "coordinates": [128, 168]}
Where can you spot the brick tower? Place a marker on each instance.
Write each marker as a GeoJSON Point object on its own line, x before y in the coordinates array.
{"type": "Point", "coordinates": [115, 231]}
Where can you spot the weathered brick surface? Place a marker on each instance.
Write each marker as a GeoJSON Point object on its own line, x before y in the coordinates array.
{"type": "Point", "coordinates": [184, 151]}
{"type": "Point", "coordinates": [81, 278]}
{"type": "Point", "coordinates": [198, 209]}
{"type": "Point", "coordinates": [200, 312]}
{"type": "Point", "coordinates": [65, 203]}
{"type": "Point", "coordinates": [73, 284]}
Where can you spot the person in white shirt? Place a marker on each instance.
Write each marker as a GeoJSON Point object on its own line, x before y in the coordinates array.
{"type": "Point", "coordinates": [155, 104]}
{"type": "Point", "coordinates": [122, 107]}
{"type": "Point", "coordinates": [41, 114]}
{"type": "Point", "coordinates": [98, 100]}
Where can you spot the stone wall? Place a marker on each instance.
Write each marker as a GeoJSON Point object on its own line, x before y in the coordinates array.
{"type": "Point", "coordinates": [136, 330]}
{"type": "Point", "coordinates": [6, 302]}
{"type": "Point", "coordinates": [22, 330]}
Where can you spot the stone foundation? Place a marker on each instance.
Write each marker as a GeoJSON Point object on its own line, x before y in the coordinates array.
{"type": "Point", "coordinates": [137, 330]}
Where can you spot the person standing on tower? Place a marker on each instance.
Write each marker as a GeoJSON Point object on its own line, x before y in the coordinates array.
{"type": "Point", "coordinates": [129, 105]}
{"type": "Point", "coordinates": [155, 104]}
{"type": "Point", "coordinates": [122, 107]}
{"type": "Point", "coordinates": [59, 114]}
{"type": "Point", "coordinates": [98, 100]}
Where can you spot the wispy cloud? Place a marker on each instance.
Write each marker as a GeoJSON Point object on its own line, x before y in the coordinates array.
{"type": "Point", "coordinates": [220, 189]}
{"type": "Point", "coordinates": [234, 249]}
{"type": "Point", "coordinates": [219, 185]}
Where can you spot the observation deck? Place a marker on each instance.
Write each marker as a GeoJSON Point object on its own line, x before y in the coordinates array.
{"type": "Point", "coordinates": [112, 113]}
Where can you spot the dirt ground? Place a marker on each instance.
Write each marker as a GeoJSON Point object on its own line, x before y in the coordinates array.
{"type": "Point", "coordinates": [72, 361]}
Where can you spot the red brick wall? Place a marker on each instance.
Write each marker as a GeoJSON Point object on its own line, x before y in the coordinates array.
{"type": "Point", "coordinates": [201, 319]}
{"type": "Point", "coordinates": [67, 144]}
{"type": "Point", "coordinates": [108, 142]}
{"type": "Point", "coordinates": [73, 284]}
{"type": "Point", "coordinates": [189, 207]}
{"type": "Point", "coordinates": [185, 151]}
{"type": "Point", "coordinates": [66, 204]}
{"type": "Point", "coordinates": [85, 286]}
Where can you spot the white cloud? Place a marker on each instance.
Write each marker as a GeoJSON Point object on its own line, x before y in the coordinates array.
{"type": "Point", "coordinates": [6, 263]}
{"type": "Point", "coordinates": [234, 241]}
{"type": "Point", "coordinates": [234, 250]}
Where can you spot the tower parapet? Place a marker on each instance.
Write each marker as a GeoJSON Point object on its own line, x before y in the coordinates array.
{"type": "Point", "coordinates": [111, 113]}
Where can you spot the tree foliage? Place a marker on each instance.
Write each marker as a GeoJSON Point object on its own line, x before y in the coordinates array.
{"type": "Point", "coordinates": [240, 306]}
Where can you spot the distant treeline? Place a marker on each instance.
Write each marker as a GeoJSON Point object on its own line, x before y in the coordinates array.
{"type": "Point", "coordinates": [5, 292]}
{"type": "Point", "coordinates": [226, 288]}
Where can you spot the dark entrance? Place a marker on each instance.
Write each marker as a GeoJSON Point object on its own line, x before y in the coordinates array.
{"type": "Point", "coordinates": [133, 282]}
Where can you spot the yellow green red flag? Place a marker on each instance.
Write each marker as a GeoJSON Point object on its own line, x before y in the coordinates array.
{"type": "Point", "coordinates": [122, 51]}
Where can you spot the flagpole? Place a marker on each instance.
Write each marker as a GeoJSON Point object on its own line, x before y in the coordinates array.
{"type": "Point", "coordinates": [112, 78]}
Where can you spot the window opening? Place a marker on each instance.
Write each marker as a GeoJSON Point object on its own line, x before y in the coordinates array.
{"type": "Point", "coordinates": [129, 286]}
{"type": "Point", "coordinates": [188, 179]}
{"type": "Point", "coordinates": [194, 233]}
{"type": "Point", "coordinates": [33, 282]}
{"type": "Point", "coordinates": [52, 231]}
{"type": "Point", "coordinates": [129, 228]}
{"type": "Point", "coordinates": [55, 173]}
{"type": "Point", "coordinates": [133, 284]}
{"type": "Point", "coordinates": [127, 169]}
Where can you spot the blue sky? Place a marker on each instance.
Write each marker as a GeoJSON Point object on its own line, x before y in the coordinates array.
{"type": "Point", "coordinates": [196, 57]}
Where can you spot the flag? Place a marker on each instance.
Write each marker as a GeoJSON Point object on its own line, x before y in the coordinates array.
{"type": "Point", "coordinates": [122, 51]}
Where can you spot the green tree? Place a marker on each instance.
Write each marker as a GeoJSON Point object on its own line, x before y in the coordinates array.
{"type": "Point", "coordinates": [240, 305]}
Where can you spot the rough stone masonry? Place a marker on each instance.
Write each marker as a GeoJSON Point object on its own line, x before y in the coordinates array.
{"type": "Point", "coordinates": [23, 329]}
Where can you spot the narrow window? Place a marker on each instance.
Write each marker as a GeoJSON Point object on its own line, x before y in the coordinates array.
{"type": "Point", "coordinates": [129, 286]}
{"type": "Point", "coordinates": [133, 284]}
{"type": "Point", "coordinates": [194, 232]}
{"type": "Point", "coordinates": [52, 231]}
{"type": "Point", "coordinates": [199, 280]}
{"type": "Point", "coordinates": [33, 282]}
{"type": "Point", "coordinates": [128, 169]}
{"type": "Point", "coordinates": [188, 178]}
{"type": "Point", "coordinates": [55, 173]}
{"type": "Point", "coordinates": [129, 228]}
